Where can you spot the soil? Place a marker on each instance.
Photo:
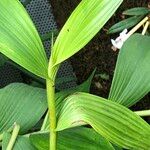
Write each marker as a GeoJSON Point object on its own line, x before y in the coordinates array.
{"type": "Point", "coordinates": [98, 53]}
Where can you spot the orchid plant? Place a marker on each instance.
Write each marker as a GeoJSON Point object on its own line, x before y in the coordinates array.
{"type": "Point", "coordinates": [136, 16]}
{"type": "Point", "coordinates": [22, 106]}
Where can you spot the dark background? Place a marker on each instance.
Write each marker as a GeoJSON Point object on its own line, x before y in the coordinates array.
{"type": "Point", "coordinates": [98, 53]}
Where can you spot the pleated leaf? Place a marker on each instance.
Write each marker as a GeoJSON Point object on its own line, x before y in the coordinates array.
{"type": "Point", "coordinates": [113, 121]}
{"type": "Point", "coordinates": [19, 39]}
{"type": "Point", "coordinates": [22, 104]}
{"type": "Point", "coordinates": [86, 20]}
{"type": "Point", "coordinates": [131, 79]}
{"type": "Point", "coordinates": [80, 138]}
{"type": "Point", "coordinates": [22, 143]}
{"type": "Point", "coordinates": [60, 96]}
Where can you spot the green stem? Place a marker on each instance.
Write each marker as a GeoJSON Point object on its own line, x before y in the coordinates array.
{"type": "Point", "coordinates": [13, 137]}
{"type": "Point", "coordinates": [52, 113]}
{"type": "Point", "coordinates": [143, 113]}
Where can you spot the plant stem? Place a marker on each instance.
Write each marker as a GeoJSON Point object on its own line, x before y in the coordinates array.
{"type": "Point", "coordinates": [145, 28]}
{"type": "Point", "coordinates": [52, 113]}
{"type": "Point", "coordinates": [137, 26]}
{"type": "Point", "coordinates": [13, 137]}
{"type": "Point", "coordinates": [143, 113]}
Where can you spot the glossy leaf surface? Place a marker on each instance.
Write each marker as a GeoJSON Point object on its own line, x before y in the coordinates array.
{"type": "Point", "coordinates": [86, 20]}
{"type": "Point", "coordinates": [19, 39]}
{"type": "Point", "coordinates": [113, 121]}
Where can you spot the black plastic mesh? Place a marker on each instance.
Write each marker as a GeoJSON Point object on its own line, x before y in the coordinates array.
{"type": "Point", "coordinates": [41, 14]}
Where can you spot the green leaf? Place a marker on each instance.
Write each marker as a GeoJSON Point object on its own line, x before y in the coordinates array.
{"type": "Point", "coordinates": [125, 24]}
{"type": "Point", "coordinates": [22, 104]}
{"type": "Point", "coordinates": [60, 96]}
{"type": "Point", "coordinates": [84, 87]}
{"type": "Point", "coordinates": [131, 79]}
{"type": "Point", "coordinates": [86, 20]}
{"type": "Point", "coordinates": [137, 11]}
{"type": "Point", "coordinates": [80, 138]}
{"type": "Point", "coordinates": [113, 121]}
{"type": "Point", "coordinates": [19, 39]}
{"type": "Point", "coordinates": [22, 143]}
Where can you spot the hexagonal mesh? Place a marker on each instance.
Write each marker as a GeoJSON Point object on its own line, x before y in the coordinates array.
{"type": "Point", "coordinates": [41, 14]}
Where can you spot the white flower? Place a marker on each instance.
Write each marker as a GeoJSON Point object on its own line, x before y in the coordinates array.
{"type": "Point", "coordinates": [118, 42]}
